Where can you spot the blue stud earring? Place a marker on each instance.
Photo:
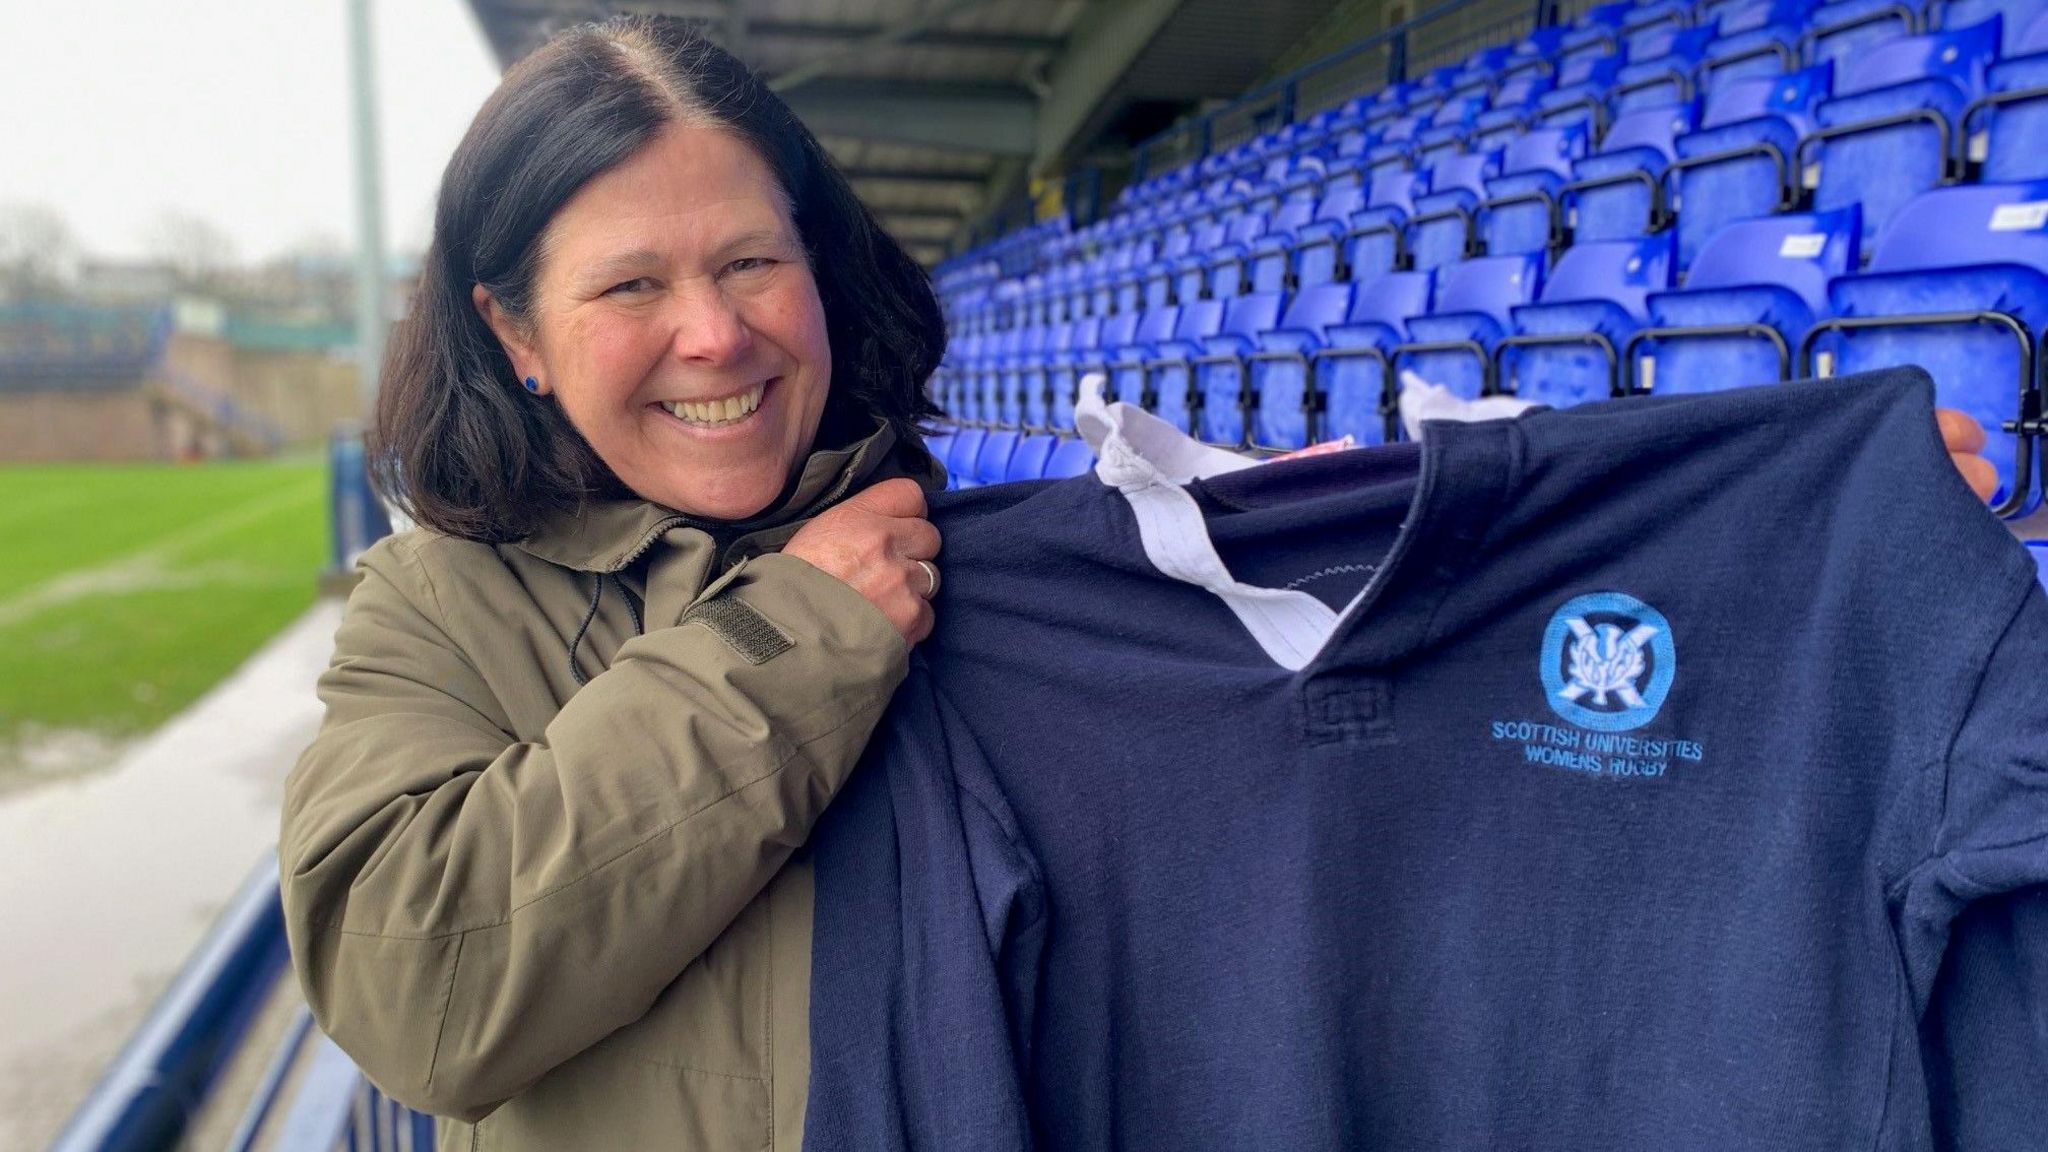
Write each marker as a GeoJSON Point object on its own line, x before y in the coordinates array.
{"type": "Point", "coordinates": [532, 385]}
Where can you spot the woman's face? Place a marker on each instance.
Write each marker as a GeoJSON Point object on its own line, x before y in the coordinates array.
{"type": "Point", "coordinates": [676, 321]}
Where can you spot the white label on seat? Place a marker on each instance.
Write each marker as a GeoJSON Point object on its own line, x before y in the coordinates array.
{"type": "Point", "coordinates": [1980, 147]}
{"type": "Point", "coordinates": [1810, 178]}
{"type": "Point", "coordinates": [2027, 217]}
{"type": "Point", "coordinates": [1803, 245]}
{"type": "Point", "coordinates": [1646, 374]}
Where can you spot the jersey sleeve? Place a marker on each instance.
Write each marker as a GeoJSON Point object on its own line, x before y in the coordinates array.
{"type": "Point", "coordinates": [1984, 898]}
{"type": "Point", "coordinates": [925, 946]}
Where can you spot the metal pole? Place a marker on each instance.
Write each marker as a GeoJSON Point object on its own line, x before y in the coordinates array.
{"type": "Point", "coordinates": [370, 317]}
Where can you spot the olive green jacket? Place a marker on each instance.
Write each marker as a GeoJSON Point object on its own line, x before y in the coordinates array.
{"type": "Point", "coordinates": [537, 866]}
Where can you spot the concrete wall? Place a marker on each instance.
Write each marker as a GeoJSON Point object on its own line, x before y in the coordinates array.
{"type": "Point", "coordinates": [304, 393]}
{"type": "Point", "coordinates": [57, 426]}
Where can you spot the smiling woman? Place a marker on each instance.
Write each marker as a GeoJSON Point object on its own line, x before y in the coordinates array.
{"type": "Point", "coordinates": [633, 214]}
{"type": "Point", "coordinates": [676, 320]}
{"type": "Point", "coordinates": [656, 410]}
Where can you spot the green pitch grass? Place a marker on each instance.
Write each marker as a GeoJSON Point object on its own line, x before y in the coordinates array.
{"type": "Point", "coordinates": [127, 591]}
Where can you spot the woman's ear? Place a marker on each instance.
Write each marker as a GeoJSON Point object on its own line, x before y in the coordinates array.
{"type": "Point", "coordinates": [511, 337]}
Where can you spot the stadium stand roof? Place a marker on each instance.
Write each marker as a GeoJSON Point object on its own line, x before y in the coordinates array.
{"type": "Point", "coordinates": [943, 110]}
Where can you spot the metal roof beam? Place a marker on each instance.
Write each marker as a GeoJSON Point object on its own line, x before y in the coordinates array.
{"type": "Point", "coordinates": [922, 215]}
{"type": "Point", "coordinates": [918, 176]}
{"type": "Point", "coordinates": [933, 38]}
{"type": "Point", "coordinates": [960, 118]}
{"type": "Point", "coordinates": [903, 30]}
{"type": "Point", "coordinates": [1103, 47]}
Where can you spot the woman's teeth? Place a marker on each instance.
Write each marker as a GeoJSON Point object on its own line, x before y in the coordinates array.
{"type": "Point", "coordinates": [712, 413]}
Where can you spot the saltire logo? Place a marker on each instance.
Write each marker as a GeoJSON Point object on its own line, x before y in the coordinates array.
{"type": "Point", "coordinates": [1608, 662]}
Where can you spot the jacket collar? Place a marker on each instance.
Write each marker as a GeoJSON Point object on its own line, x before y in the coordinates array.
{"type": "Point", "coordinates": [605, 535]}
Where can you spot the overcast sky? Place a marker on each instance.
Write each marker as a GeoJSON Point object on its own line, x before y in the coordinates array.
{"type": "Point", "coordinates": [115, 112]}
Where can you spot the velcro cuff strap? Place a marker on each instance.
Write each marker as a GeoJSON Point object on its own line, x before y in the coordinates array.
{"type": "Point", "coordinates": [744, 630]}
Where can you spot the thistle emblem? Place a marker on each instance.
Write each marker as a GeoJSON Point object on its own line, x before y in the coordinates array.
{"type": "Point", "coordinates": [1605, 659]}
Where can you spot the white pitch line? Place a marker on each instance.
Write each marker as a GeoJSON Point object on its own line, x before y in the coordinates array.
{"type": "Point", "coordinates": [143, 568]}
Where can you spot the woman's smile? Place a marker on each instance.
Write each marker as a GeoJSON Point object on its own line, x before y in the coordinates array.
{"type": "Point", "coordinates": [719, 412]}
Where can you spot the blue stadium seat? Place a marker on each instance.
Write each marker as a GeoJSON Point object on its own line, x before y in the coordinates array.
{"type": "Point", "coordinates": [1520, 212]}
{"type": "Point", "coordinates": [1035, 401]}
{"type": "Point", "coordinates": [1958, 286]}
{"type": "Point", "coordinates": [1226, 267]}
{"type": "Point", "coordinates": [1066, 365]}
{"type": "Point", "coordinates": [1367, 239]}
{"type": "Point", "coordinates": [1352, 373]}
{"type": "Point", "coordinates": [1318, 248]}
{"type": "Point", "coordinates": [1069, 458]}
{"type": "Point", "coordinates": [1453, 346]}
{"type": "Point", "coordinates": [1745, 51]}
{"type": "Point", "coordinates": [1029, 460]}
{"type": "Point", "coordinates": [1651, 16]}
{"type": "Point", "coordinates": [1220, 394]}
{"type": "Point", "coordinates": [1127, 363]}
{"type": "Point", "coordinates": [1663, 74]}
{"type": "Point", "coordinates": [2017, 15]}
{"type": "Point", "coordinates": [1394, 151]}
{"type": "Point", "coordinates": [2006, 126]}
{"type": "Point", "coordinates": [1190, 270]}
{"type": "Point", "coordinates": [1270, 262]}
{"type": "Point", "coordinates": [1846, 28]}
{"type": "Point", "coordinates": [1167, 383]}
{"type": "Point", "coordinates": [960, 460]}
{"type": "Point", "coordinates": [1448, 127]}
{"type": "Point", "coordinates": [1440, 229]}
{"type": "Point", "coordinates": [1616, 193]}
{"type": "Point", "coordinates": [1597, 32]}
{"type": "Point", "coordinates": [938, 443]}
{"type": "Point", "coordinates": [1534, 55]}
{"type": "Point", "coordinates": [992, 463]}
{"type": "Point", "coordinates": [1751, 296]}
{"type": "Point", "coordinates": [1887, 133]}
{"type": "Point", "coordinates": [1375, 239]}
{"type": "Point", "coordinates": [1117, 333]}
{"type": "Point", "coordinates": [1581, 94]}
{"type": "Point", "coordinates": [1029, 350]}
{"type": "Point", "coordinates": [1278, 369]}
{"type": "Point", "coordinates": [1514, 106]}
{"type": "Point", "coordinates": [980, 401]}
{"type": "Point", "coordinates": [1567, 349]}
{"type": "Point", "coordinates": [1739, 164]}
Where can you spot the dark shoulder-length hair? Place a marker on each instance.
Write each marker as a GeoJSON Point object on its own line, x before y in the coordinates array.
{"type": "Point", "coordinates": [458, 442]}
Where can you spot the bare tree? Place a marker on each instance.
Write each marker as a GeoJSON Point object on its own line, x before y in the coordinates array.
{"type": "Point", "coordinates": [38, 252]}
{"type": "Point", "coordinates": [198, 251]}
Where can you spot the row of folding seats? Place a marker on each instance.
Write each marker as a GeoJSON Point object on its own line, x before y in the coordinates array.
{"type": "Point", "coordinates": [1619, 57]}
{"type": "Point", "coordinates": [1732, 158]}
{"type": "Point", "coordinates": [1769, 298]}
{"type": "Point", "coordinates": [977, 456]}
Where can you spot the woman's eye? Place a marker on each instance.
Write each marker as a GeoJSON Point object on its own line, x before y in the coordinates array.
{"type": "Point", "coordinates": [636, 284]}
{"type": "Point", "coordinates": [749, 263]}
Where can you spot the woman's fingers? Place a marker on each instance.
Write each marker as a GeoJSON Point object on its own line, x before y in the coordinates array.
{"type": "Point", "coordinates": [1977, 472]}
{"type": "Point", "coordinates": [1959, 431]}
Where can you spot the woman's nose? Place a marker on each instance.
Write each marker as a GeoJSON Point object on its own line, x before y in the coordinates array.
{"type": "Point", "coordinates": [709, 329]}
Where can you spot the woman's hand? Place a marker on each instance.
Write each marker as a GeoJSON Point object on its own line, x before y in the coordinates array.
{"type": "Point", "coordinates": [1964, 438]}
{"type": "Point", "coordinates": [874, 542]}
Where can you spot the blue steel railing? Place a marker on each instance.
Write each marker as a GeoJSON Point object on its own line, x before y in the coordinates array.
{"type": "Point", "coordinates": [147, 1096]}
{"type": "Point", "coordinates": [173, 1065]}
{"type": "Point", "coordinates": [1393, 54]}
{"type": "Point", "coordinates": [170, 1068]}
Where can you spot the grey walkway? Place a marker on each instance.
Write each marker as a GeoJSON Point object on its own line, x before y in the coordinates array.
{"type": "Point", "coordinates": [108, 881]}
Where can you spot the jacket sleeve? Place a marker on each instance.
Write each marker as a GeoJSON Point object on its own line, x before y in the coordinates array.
{"type": "Point", "coordinates": [467, 911]}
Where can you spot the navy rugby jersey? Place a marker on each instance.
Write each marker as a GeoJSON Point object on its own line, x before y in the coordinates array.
{"type": "Point", "coordinates": [1664, 774]}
